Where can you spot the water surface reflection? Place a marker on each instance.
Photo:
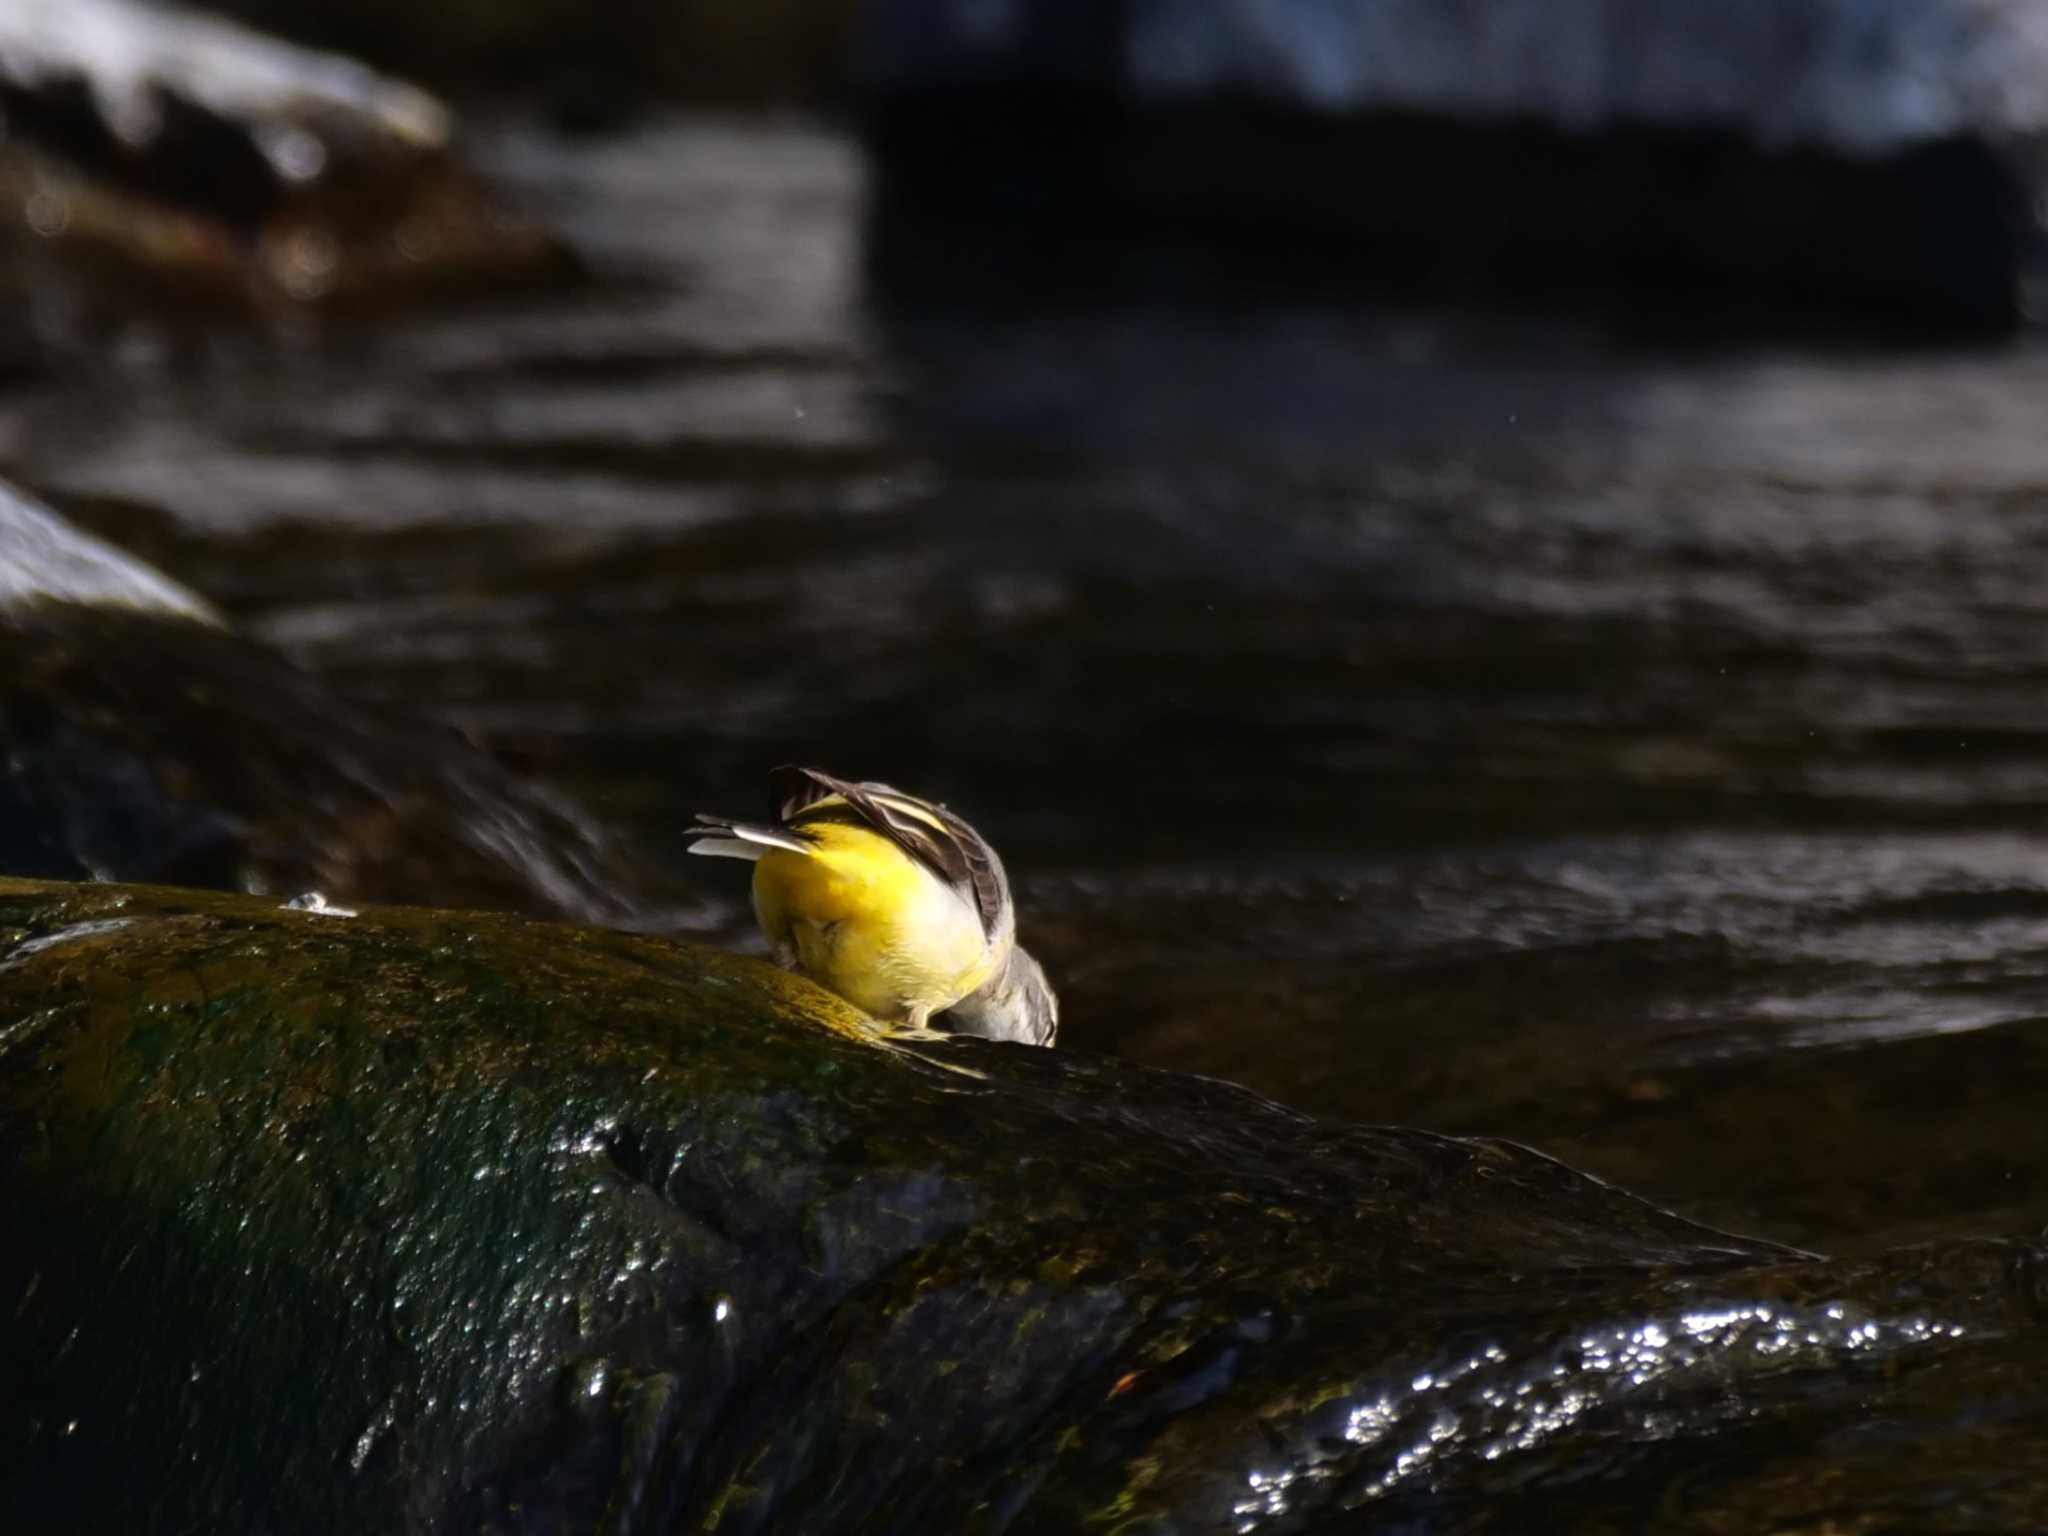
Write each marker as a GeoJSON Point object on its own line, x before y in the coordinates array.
{"type": "Point", "coordinates": [1502, 723]}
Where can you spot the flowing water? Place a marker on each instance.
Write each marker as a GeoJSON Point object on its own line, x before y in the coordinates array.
{"type": "Point", "coordinates": [1624, 738]}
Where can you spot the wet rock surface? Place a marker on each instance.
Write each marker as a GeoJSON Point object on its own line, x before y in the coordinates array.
{"type": "Point", "coordinates": [446, 1222]}
{"type": "Point", "coordinates": [154, 158]}
{"type": "Point", "coordinates": [140, 739]}
{"type": "Point", "coordinates": [149, 748]}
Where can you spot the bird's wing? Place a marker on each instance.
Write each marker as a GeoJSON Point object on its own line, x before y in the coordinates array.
{"type": "Point", "coordinates": [929, 833]}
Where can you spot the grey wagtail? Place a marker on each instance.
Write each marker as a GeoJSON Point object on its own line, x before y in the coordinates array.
{"type": "Point", "coordinates": [892, 902]}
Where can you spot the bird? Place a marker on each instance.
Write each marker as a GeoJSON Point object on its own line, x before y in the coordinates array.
{"type": "Point", "coordinates": [892, 902]}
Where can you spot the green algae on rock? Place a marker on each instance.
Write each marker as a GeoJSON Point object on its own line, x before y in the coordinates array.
{"type": "Point", "coordinates": [434, 1222]}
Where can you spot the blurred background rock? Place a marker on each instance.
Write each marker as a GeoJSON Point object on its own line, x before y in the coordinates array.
{"type": "Point", "coordinates": [1850, 153]}
{"type": "Point", "coordinates": [591, 64]}
{"type": "Point", "coordinates": [1868, 156]}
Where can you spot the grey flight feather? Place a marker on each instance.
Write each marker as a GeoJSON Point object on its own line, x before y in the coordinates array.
{"type": "Point", "coordinates": [722, 837]}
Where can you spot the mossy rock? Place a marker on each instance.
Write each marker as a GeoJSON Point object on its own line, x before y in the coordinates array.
{"type": "Point", "coordinates": [414, 1221]}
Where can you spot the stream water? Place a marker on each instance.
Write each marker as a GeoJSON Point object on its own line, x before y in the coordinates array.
{"type": "Point", "coordinates": [1623, 738]}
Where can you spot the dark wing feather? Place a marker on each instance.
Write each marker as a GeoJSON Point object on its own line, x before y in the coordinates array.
{"type": "Point", "coordinates": [953, 850]}
{"type": "Point", "coordinates": [983, 872]}
{"type": "Point", "coordinates": [793, 790]}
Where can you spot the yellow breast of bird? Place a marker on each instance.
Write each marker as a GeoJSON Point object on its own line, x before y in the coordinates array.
{"type": "Point", "coordinates": [867, 921]}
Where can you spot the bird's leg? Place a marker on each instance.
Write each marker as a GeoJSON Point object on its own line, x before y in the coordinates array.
{"type": "Point", "coordinates": [916, 1025]}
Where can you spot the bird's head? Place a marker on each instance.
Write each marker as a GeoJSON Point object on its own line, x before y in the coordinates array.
{"type": "Point", "coordinates": [1017, 1003]}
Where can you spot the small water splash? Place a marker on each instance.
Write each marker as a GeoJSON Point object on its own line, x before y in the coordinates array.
{"type": "Point", "coordinates": [317, 905]}
{"type": "Point", "coordinates": [28, 948]}
{"type": "Point", "coordinates": [45, 559]}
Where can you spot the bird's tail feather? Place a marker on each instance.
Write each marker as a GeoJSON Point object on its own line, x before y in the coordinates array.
{"type": "Point", "coordinates": [720, 837]}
